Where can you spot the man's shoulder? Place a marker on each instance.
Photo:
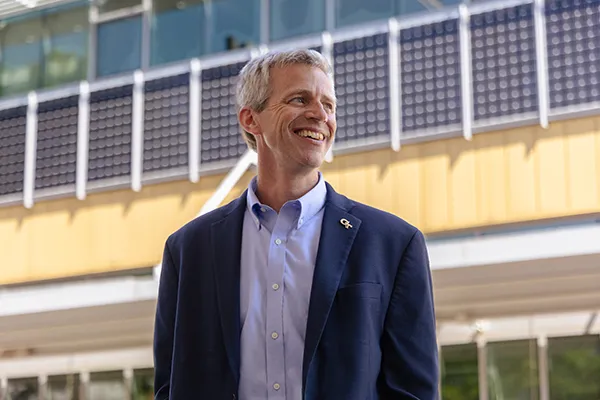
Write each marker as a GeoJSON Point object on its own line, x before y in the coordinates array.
{"type": "Point", "coordinates": [201, 225]}
{"type": "Point", "coordinates": [381, 221]}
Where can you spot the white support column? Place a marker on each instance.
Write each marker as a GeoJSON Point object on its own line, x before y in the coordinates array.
{"type": "Point", "coordinates": [84, 385]}
{"type": "Point", "coordinates": [327, 51]}
{"type": "Point", "coordinates": [83, 130]}
{"type": "Point", "coordinates": [482, 367]}
{"type": "Point", "coordinates": [30, 151]}
{"type": "Point", "coordinates": [466, 72]}
{"type": "Point", "coordinates": [128, 382]}
{"type": "Point", "coordinates": [194, 142]}
{"type": "Point", "coordinates": [395, 104]}
{"type": "Point", "coordinates": [542, 343]}
{"type": "Point", "coordinates": [3, 387]}
{"type": "Point", "coordinates": [137, 132]}
{"type": "Point", "coordinates": [43, 387]}
{"type": "Point", "coordinates": [541, 52]}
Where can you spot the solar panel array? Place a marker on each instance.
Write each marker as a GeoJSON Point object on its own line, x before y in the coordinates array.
{"type": "Point", "coordinates": [504, 84]}
{"type": "Point", "coordinates": [504, 62]}
{"type": "Point", "coordinates": [221, 138]}
{"type": "Point", "coordinates": [110, 133]}
{"type": "Point", "coordinates": [166, 124]}
{"type": "Point", "coordinates": [56, 156]}
{"type": "Point", "coordinates": [361, 79]}
{"type": "Point", "coordinates": [12, 149]}
{"type": "Point", "coordinates": [573, 29]}
{"type": "Point", "coordinates": [430, 76]}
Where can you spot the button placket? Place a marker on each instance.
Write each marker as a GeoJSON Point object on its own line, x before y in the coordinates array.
{"type": "Point", "coordinates": [274, 307]}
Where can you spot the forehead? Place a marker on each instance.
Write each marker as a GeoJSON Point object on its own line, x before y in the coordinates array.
{"type": "Point", "coordinates": [294, 77]}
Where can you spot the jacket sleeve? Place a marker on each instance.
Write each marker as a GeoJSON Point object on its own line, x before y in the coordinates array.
{"type": "Point", "coordinates": [409, 367]}
{"type": "Point", "coordinates": [164, 326]}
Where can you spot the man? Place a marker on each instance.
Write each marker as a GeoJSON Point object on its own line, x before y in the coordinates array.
{"type": "Point", "coordinates": [293, 291]}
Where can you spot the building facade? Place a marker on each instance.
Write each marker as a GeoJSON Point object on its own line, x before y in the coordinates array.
{"type": "Point", "coordinates": [478, 123]}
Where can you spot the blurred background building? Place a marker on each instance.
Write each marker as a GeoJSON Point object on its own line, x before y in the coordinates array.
{"type": "Point", "coordinates": [476, 122]}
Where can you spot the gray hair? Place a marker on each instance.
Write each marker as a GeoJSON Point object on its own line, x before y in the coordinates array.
{"type": "Point", "coordinates": [254, 89]}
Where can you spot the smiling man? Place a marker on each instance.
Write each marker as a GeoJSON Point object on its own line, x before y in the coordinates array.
{"type": "Point", "coordinates": [293, 291]}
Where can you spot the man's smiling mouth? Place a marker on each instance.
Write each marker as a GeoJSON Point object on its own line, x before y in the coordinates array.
{"type": "Point", "coordinates": [310, 134]}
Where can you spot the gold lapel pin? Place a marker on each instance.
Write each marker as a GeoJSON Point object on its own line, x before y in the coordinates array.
{"type": "Point", "coordinates": [346, 223]}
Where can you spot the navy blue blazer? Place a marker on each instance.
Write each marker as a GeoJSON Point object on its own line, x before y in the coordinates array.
{"type": "Point", "coordinates": [371, 324]}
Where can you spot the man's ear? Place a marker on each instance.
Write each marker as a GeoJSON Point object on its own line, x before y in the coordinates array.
{"type": "Point", "coordinates": [248, 121]}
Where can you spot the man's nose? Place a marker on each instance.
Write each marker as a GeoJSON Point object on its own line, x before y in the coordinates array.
{"type": "Point", "coordinates": [316, 111]}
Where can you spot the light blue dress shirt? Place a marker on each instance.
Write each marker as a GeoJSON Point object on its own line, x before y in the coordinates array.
{"type": "Point", "coordinates": [279, 252]}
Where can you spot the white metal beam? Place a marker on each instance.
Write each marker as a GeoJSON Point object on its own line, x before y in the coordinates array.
{"type": "Point", "coordinates": [23, 367]}
{"type": "Point", "coordinates": [83, 129]}
{"type": "Point", "coordinates": [515, 247]}
{"type": "Point", "coordinates": [30, 151]}
{"type": "Point", "coordinates": [137, 132]}
{"type": "Point", "coordinates": [466, 71]}
{"type": "Point", "coordinates": [194, 112]}
{"type": "Point", "coordinates": [542, 62]}
{"type": "Point", "coordinates": [395, 103]}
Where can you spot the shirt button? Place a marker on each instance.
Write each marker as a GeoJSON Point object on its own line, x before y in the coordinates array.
{"type": "Point", "coordinates": [274, 335]}
{"type": "Point", "coordinates": [276, 386]}
{"type": "Point", "coordinates": [277, 242]}
{"type": "Point", "coordinates": [275, 286]}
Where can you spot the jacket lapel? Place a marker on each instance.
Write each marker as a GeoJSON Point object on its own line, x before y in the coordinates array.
{"type": "Point", "coordinates": [226, 242]}
{"type": "Point", "coordinates": [335, 243]}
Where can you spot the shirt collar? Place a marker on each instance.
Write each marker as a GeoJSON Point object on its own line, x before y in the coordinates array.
{"type": "Point", "coordinates": [310, 204]}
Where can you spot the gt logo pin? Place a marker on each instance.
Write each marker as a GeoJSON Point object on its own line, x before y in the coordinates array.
{"type": "Point", "coordinates": [346, 223]}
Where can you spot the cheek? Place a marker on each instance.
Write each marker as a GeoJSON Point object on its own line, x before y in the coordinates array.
{"type": "Point", "coordinates": [332, 123]}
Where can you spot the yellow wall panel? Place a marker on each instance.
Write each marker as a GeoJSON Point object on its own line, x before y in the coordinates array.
{"type": "Point", "coordinates": [463, 188]}
{"type": "Point", "coordinates": [551, 168]}
{"type": "Point", "coordinates": [521, 172]}
{"type": "Point", "coordinates": [435, 167]}
{"type": "Point", "coordinates": [491, 175]}
{"type": "Point", "coordinates": [106, 232]}
{"type": "Point", "coordinates": [406, 175]}
{"type": "Point", "coordinates": [582, 158]}
{"type": "Point", "coordinates": [505, 177]}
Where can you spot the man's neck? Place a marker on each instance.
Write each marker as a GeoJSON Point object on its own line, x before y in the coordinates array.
{"type": "Point", "coordinates": [275, 188]}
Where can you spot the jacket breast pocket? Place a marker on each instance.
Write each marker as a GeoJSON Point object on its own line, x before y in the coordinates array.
{"type": "Point", "coordinates": [355, 313]}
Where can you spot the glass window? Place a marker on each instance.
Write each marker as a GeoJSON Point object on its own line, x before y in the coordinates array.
{"type": "Point", "coordinates": [460, 378]}
{"type": "Point", "coordinates": [23, 389]}
{"type": "Point", "coordinates": [293, 18]}
{"type": "Point", "coordinates": [178, 30]}
{"type": "Point", "coordinates": [63, 387]}
{"type": "Point", "coordinates": [119, 46]}
{"type": "Point", "coordinates": [143, 384]}
{"type": "Point", "coordinates": [105, 6]}
{"type": "Point", "coordinates": [512, 370]}
{"type": "Point", "coordinates": [107, 386]}
{"type": "Point", "coordinates": [233, 24]}
{"type": "Point", "coordinates": [574, 367]}
{"type": "Point", "coordinates": [22, 55]}
{"type": "Point", "coordinates": [348, 12]}
{"type": "Point", "coordinates": [67, 53]}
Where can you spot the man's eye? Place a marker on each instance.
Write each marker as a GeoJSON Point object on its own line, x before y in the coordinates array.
{"type": "Point", "coordinates": [298, 100]}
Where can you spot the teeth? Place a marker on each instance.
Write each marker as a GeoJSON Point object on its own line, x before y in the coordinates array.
{"type": "Point", "coordinates": [311, 134]}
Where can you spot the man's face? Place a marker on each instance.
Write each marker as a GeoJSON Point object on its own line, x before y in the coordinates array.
{"type": "Point", "coordinates": [298, 125]}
